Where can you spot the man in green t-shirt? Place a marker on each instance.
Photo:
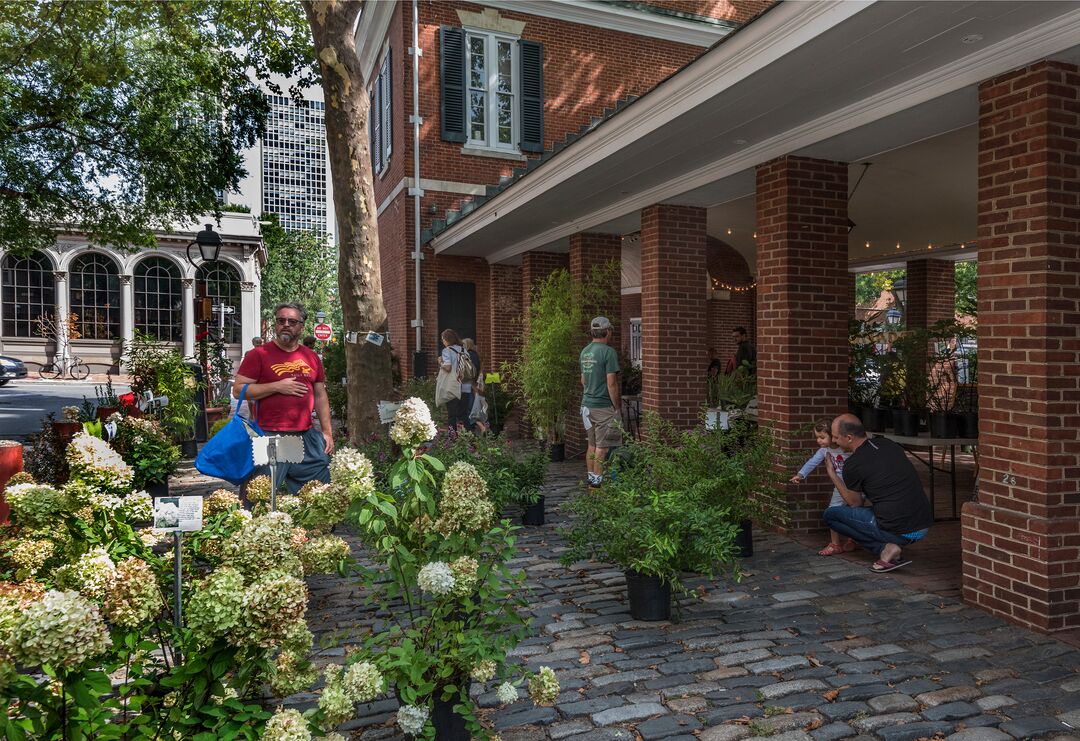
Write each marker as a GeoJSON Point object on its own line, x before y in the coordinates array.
{"type": "Point", "coordinates": [600, 399]}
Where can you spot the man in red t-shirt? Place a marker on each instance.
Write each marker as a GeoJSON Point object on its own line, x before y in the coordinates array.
{"type": "Point", "coordinates": [287, 382]}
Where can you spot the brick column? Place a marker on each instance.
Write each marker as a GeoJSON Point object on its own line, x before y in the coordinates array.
{"type": "Point", "coordinates": [504, 320]}
{"type": "Point", "coordinates": [802, 309]}
{"type": "Point", "coordinates": [852, 302]}
{"type": "Point", "coordinates": [931, 292]}
{"type": "Point", "coordinates": [1021, 540]}
{"type": "Point", "coordinates": [674, 282]}
{"type": "Point", "coordinates": [588, 251]}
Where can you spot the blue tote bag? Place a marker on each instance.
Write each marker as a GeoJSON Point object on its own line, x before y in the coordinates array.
{"type": "Point", "coordinates": [228, 453]}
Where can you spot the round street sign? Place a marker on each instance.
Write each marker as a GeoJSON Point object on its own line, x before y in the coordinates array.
{"type": "Point", "coordinates": [323, 332]}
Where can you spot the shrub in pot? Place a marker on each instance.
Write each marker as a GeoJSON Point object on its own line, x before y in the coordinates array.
{"type": "Point", "coordinates": [727, 395]}
{"type": "Point", "coordinates": [913, 369]}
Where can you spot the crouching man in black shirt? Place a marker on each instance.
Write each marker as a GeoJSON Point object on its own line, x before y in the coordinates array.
{"type": "Point", "coordinates": [898, 513]}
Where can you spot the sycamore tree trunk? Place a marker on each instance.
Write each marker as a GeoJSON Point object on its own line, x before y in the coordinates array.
{"type": "Point", "coordinates": [359, 280]}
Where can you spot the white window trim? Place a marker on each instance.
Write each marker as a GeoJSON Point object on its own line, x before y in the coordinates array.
{"type": "Point", "coordinates": [635, 342]}
{"type": "Point", "coordinates": [491, 123]}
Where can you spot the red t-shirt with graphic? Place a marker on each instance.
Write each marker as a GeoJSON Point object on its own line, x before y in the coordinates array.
{"type": "Point", "coordinates": [268, 363]}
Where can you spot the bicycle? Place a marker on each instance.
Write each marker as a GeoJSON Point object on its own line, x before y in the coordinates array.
{"type": "Point", "coordinates": [73, 366]}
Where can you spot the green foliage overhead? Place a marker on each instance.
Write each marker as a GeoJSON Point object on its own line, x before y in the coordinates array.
{"type": "Point", "coordinates": [967, 292]}
{"type": "Point", "coordinates": [868, 286]}
{"type": "Point", "coordinates": [119, 117]}
{"type": "Point", "coordinates": [300, 266]}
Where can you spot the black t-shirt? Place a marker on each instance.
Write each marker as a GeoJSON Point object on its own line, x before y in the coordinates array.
{"type": "Point", "coordinates": [880, 469]}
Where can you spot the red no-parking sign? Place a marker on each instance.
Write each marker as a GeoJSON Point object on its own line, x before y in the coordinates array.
{"type": "Point", "coordinates": [323, 332]}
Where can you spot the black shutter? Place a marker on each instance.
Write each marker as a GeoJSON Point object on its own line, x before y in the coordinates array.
{"type": "Point", "coordinates": [452, 76]}
{"type": "Point", "coordinates": [374, 123]}
{"type": "Point", "coordinates": [387, 112]}
{"type": "Point", "coordinates": [532, 96]}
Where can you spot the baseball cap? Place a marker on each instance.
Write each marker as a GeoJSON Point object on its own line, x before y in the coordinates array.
{"type": "Point", "coordinates": [601, 322]}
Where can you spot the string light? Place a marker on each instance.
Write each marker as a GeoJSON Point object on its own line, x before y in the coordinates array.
{"type": "Point", "coordinates": [721, 286]}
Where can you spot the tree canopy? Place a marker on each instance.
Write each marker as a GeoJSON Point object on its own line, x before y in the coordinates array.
{"type": "Point", "coordinates": [300, 266]}
{"type": "Point", "coordinates": [117, 118]}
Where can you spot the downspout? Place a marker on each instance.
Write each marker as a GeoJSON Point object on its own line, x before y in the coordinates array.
{"type": "Point", "coordinates": [416, 191]}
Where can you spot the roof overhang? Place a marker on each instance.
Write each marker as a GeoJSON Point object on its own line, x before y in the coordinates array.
{"type": "Point", "coordinates": [838, 79]}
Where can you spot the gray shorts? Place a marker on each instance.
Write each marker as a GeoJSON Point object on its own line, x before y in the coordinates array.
{"type": "Point", "coordinates": [606, 429]}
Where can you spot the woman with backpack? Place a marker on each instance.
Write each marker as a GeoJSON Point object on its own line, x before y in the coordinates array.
{"type": "Point", "coordinates": [468, 387]}
{"type": "Point", "coordinates": [457, 363]}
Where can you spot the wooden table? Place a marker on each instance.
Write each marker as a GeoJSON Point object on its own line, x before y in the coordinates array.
{"type": "Point", "coordinates": [925, 441]}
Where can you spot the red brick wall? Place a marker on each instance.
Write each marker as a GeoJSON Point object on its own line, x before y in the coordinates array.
{"type": "Point", "coordinates": [802, 308]}
{"type": "Point", "coordinates": [504, 326]}
{"type": "Point", "coordinates": [1021, 540]}
{"type": "Point", "coordinates": [737, 309]}
{"type": "Point", "coordinates": [931, 292]}
{"type": "Point", "coordinates": [673, 313]}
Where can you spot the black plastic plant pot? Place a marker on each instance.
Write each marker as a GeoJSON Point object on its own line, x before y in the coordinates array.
{"type": "Point", "coordinates": [943, 425]}
{"type": "Point", "coordinates": [968, 424]}
{"type": "Point", "coordinates": [189, 448]}
{"type": "Point", "coordinates": [873, 419]}
{"type": "Point", "coordinates": [449, 725]}
{"type": "Point", "coordinates": [556, 452]}
{"type": "Point", "coordinates": [650, 598]}
{"type": "Point", "coordinates": [744, 539]}
{"type": "Point", "coordinates": [158, 488]}
{"type": "Point", "coordinates": [533, 514]}
{"type": "Point", "coordinates": [905, 422]}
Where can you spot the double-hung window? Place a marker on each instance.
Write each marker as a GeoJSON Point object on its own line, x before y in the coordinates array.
{"type": "Point", "coordinates": [492, 67]}
{"type": "Point", "coordinates": [380, 116]}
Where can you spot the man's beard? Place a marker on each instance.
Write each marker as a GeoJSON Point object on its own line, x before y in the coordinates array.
{"type": "Point", "coordinates": [286, 336]}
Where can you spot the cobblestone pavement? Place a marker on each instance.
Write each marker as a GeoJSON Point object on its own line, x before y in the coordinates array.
{"type": "Point", "coordinates": [803, 648]}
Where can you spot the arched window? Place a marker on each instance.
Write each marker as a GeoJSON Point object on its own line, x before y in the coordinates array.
{"type": "Point", "coordinates": [95, 296]}
{"type": "Point", "coordinates": [222, 283]}
{"type": "Point", "coordinates": [158, 299]}
{"type": "Point", "coordinates": [29, 291]}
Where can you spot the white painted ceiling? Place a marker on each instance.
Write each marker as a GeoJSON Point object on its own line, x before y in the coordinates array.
{"type": "Point", "coordinates": [920, 188]}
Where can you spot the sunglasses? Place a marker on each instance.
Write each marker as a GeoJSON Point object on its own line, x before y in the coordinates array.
{"type": "Point", "coordinates": [290, 322]}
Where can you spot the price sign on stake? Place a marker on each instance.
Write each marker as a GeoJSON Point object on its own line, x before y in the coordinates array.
{"type": "Point", "coordinates": [323, 332]}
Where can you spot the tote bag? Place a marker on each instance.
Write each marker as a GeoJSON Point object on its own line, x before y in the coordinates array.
{"type": "Point", "coordinates": [228, 453]}
{"type": "Point", "coordinates": [447, 387]}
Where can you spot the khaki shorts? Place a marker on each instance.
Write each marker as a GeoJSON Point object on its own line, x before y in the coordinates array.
{"type": "Point", "coordinates": [606, 430]}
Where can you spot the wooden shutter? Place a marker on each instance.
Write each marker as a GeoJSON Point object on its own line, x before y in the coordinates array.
{"type": "Point", "coordinates": [387, 111]}
{"type": "Point", "coordinates": [532, 96]}
{"type": "Point", "coordinates": [375, 124]}
{"type": "Point", "coordinates": [452, 78]}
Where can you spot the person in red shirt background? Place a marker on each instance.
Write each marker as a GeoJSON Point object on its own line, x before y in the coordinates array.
{"type": "Point", "coordinates": [287, 382]}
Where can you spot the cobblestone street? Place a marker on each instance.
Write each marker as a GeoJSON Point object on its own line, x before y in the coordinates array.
{"type": "Point", "coordinates": [802, 648]}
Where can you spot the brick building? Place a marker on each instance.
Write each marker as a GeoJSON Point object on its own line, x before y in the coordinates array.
{"type": "Point", "coordinates": [725, 190]}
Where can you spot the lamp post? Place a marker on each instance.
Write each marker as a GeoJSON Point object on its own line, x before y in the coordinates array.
{"type": "Point", "coordinates": [209, 243]}
{"type": "Point", "coordinates": [899, 291]}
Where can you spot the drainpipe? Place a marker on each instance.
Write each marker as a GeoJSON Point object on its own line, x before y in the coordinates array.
{"type": "Point", "coordinates": [416, 191]}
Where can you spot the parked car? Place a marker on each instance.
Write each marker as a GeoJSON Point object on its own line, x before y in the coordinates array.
{"type": "Point", "coordinates": [11, 368]}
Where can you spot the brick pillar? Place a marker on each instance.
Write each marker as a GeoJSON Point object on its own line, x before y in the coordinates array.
{"type": "Point", "coordinates": [674, 321]}
{"type": "Point", "coordinates": [931, 292]}
{"type": "Point", "coordinates": [851, 300]}
{"type": "Point", "coordinates": [1021, 540]}
{"type": "Point", "coordinates": [588, 251]}
{"type": "Point", "coordinates": [504, 320]}
{"type": "Point", "coordinates": [802, 309]}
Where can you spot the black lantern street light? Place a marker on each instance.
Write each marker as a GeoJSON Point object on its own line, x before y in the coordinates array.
{"type": "Point", "coordinates": [209, 243]}
{"type": "Point", "coordinates": [899, 290]}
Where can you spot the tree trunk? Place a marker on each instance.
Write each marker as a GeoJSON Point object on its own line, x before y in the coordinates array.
{"type": "Point", "coordinates": [359, 278]}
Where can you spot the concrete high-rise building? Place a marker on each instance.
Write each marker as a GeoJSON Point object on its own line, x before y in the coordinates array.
{"type": "Point", "coordinates": [288, 170]}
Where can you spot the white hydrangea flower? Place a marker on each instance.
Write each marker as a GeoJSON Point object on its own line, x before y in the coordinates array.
{"type": "Point", "coordinates": [287, 725]}
{"type": "Point", "coordinates": [544, 686]}
{"type": "Point", "coordinates": [349, 467]}
{"type": "Point", "coordinates": [507, 693]}
{"type": "Point", "coordinates": [436, 578]}
{"type": "Point", "coordinates": [93, 460]}
{"type": "Point", "coordinates": [139, 506]}
{"type": "Point", "coordinates": [334, 700]}
{"type": "Point", "coordinates": [483, 671]}
{"type": "Point", "coordinates": [412, 424]}
{"type": "Point", "coordinates": [60, 629]}
{"type": "Point", "coordinates": [105, 501]}
{"type": "Point", "coordinates": [411, 719]}
{"type": "Point", "coordinates": [94, 574]}
{"type": "Point", "coordinates": [364, 681]}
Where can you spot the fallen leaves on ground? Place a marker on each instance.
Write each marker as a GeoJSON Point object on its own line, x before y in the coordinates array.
{"type": "Point", "coordinates": [831, 695]}
{"type": "Point", "coordinates": [584, 660]}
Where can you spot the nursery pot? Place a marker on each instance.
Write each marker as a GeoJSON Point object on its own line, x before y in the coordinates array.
{"type": "Point", "coordinates": [556, 452]}
{"type": "Point", "coordinates": [11, 462]}
{"type": "Point", "coordinates": [213, 414]}
{"type": "Point", "coordinates": [744, 539]}
{"type": "Point", "coordinates": [533, 514]}
{"type": "Point", "coordinates": [873, 419]}
{"type": "Point", "coordinates": [650, 598]}
{"type": "Point", "coordinates": [65, 431]}
{"type": "Point", "coordinates": [968, 424]}
{"type": "Point", "coordinates": [449, 726]}
{"type": "Point", "coordinates": [943, 424]}
{"type": "Point", "coordinates": [905, 422]}
{"type": "Point", "coordinates": [189, 448]}
{"type": "Point", "coordinates": [103, 413]}
{"type": "Point", "coordinates": [853, 407]}
{"type": "Point", "coordinates": [158, 488]}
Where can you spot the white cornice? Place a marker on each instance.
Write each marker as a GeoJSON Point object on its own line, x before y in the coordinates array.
{"type": "Point", "coordinates": [1024, 48]}
{"type": "Point", "coordinates": [616, 18]}
{"type": "Point", "coordinates": [371, 33]}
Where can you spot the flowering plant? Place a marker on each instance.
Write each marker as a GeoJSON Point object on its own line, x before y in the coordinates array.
{"type": "Point", "coordinates": [146, 447]}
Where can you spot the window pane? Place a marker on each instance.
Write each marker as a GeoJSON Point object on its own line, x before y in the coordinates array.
{"type": "Point", "coordinates": [95, 297]}
{"type": "Point", "coordinates": [223, 287]}
{"type": "Point", "coordinates": [477, 104]}
{"type": "Point", "coordinates": [506, 67]}
{"type": "Point", "coordinates": [477, 73]}
{"type": "Point", "coordinates": [506, 119]}
{"type": "Point", "coordinates": [158, 299]}
{"type": "Point", "coordinates": [28, 293]}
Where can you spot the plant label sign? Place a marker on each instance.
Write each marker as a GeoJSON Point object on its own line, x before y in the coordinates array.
{"type": "Point", "coordinates": [271, 450]}
{"type": "Point", "coordinates": [178, 514]}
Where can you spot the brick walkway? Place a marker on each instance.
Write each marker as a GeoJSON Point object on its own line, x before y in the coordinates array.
{"type": "Point", "coordinates": [803, 648]}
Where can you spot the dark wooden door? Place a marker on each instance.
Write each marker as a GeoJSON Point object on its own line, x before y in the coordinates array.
{"type": "Point", "coordinates": [457, 308]}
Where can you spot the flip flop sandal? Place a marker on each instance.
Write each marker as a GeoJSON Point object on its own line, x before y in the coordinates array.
{"type": "Point", "coordinates": [831, 550]}
{"type": "Point", "coordinates": [850, 545]}
{"type": "Point", "coordinates": [882, 567]}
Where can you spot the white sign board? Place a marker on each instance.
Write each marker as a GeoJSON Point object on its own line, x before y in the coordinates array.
{"type": "Point", "coordinates": [178, 514]}
{"type": "Point", "coordinates": [277, 449]}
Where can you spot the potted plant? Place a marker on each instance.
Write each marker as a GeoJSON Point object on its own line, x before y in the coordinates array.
{"type": "Point", "coordinates": [862, 375]}
{"type": "Point", "coordinates": [913, 379]}
{"type": "Point", "coordinates": [943, 420]}
{"type": "Point", "coordinates": [108, 403]}
{"type": "Point", "coordinates": [967, 377]}
{"type": "Point", "coordinates": [145, 446]}
{"type": "Point", "coordinates": [160, 369]}
{"type": "Point", "coordinates": [68, 425]}
{"type": "Point", "coordinates": [675, 504]}
{"type": "Point", "coordinates": [218, 410]}
{"type": "Point", "coordinates": [728, 395]}
{"type": "Point", "coordinates": [547, 372]}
